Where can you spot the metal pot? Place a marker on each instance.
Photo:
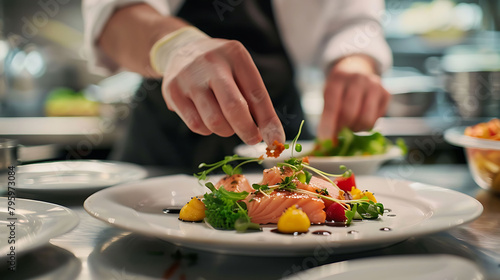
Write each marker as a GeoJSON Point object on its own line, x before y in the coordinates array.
{"type": "Point", "coordinates": [412, 93]}
{"type": "Point", "coordinates": [8, 153]}
{"type": "Point", "coordinates": [472, 80]}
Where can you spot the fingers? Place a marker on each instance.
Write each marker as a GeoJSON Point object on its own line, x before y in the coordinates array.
{"type": "Point", "coordinates": [384, 102]}
{"type": "Point", "coordinates": [328, 125]}
{"type": "Point", "coordinates": [235, 109]}
{"type": "Point", "coordinates": [184, 107]}
{"type": "Point", "coordinates": [254, 91]}
{"type": "Point", "coordinates": [374, 106]}
{"type": "Point", "coordinates": [368, 112]}
{"type": "Point", "coordinates": [218, 89]}
{"type": "Point", "coordinates": [352, 100]}
{"type": "Point", "coordinates": [211, 113]}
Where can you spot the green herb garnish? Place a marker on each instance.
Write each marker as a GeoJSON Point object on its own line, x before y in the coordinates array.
{"type": "Point", "coordinates": [225, 166]}
{"type": "Point", "coordinates": [225, 210]}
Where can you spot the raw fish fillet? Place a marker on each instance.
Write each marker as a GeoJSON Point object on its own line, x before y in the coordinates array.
{"type": "Point", "coordinates": [235, 183]}
{"type": "Point", "coordinates": [264, 209]}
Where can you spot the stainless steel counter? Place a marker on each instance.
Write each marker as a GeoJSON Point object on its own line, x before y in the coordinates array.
{"type": "Point", "coordinates": [71, 131]}
{"type": "Point", "coordinates": [95, 250]}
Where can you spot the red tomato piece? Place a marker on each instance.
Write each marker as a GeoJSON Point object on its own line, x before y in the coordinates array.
{"type": "Point", "coordinates": [346, 184]}
{"type": "Point", "coordinates": [336, 213]}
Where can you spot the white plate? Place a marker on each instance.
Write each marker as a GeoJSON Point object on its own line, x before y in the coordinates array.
{"type": "Point", "coordinates": [361, 165]}
{"type": "Point", "coordinates": [75, 176]}
{"type": "Point", "coordinates": [429, 267]}
{"type": "Point", "coordinates": [35, 224]}
{"type": "Point", "coordinates": [419, 209]}
{"type": "Point", "coordinates": [457, 137]}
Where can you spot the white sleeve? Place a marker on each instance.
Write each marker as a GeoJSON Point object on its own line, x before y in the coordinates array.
{"type": "Point", "coordinates": [95, 15]}
{"type": "Point", "coordinates": [318, 32]}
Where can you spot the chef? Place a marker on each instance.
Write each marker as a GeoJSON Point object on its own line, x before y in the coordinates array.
{"type": "Point", "coordinates": [220, 72]}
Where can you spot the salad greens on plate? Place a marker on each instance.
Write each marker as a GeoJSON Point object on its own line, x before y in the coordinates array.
{"type": "Point", "coordinates": [353, 144]}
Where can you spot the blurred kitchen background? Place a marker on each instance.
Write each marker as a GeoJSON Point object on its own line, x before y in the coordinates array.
{"type": "Point", "coordinates": [446, 73]}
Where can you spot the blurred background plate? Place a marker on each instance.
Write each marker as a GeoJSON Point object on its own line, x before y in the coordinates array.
{"type": "Point", "coordinates": [400, 267]}
{"type": "Point", "coordinates": [76, 176]}
{"type": "Point", "coordinates": [360, 165]}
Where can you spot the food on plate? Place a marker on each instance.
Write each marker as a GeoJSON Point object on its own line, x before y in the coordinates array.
{"type": "Point", "coordinates": [487, 130]}
{"type": "Point", "coordinates": [486, 162]}
{"type": "Point", "coordinates": [287, 194]}
{"type": "Point", "coordinates": [293, 220]}
{"type": "Point", "coordinates": [234, 183]}
{"type": "Point", "coordinates": [336, 212]}
{"type": "Point", "coordinates": [349, 143]}
{"type": "Point", "coordinates": [357, 194]}
{"type": "Point", "coordinates": [67, 102]}
{"type": "Point", "coordinates": [346, 183]}
{"type": "Point", "coordinates": [193, 211]}
{"type": "Point", "coordinates": [275, 149]}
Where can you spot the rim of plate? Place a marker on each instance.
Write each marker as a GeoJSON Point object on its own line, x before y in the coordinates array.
{"type": "Point", "coordinates": [456, 136]}
{"type": "Point", "coordinates": [104, 203]}
{"type": "Point", "coordinates": [64, 222]}
{"type": "Point", "coordinates": [247, 150]}
{"type": "Point", "coordinates": [424, 265]}
{"type": "Point", "coordinates": [127, 171]}
{"type": "Point", "coordinates": [393, 153]}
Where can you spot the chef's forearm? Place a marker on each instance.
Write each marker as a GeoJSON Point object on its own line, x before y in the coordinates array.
{"type": "Point", "coordinates": [130, 33]}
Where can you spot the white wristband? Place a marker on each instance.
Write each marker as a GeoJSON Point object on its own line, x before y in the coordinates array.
{"type": "Point", "coordinates": [163, 50]}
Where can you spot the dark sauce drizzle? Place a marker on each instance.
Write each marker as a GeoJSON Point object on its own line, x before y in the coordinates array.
{"type": "Point", "coordinates": [391, 215]}
{"type": "Point", "coordinates": [292, 233]}
{"type": "Point", "coordinates": [171, 210]}
{"type": "Point", "coordinates": [385, 229]}
{"type": "Point", "coordinates": [190, 221]}
{"type": "Point", "coordinates": [321, 232]}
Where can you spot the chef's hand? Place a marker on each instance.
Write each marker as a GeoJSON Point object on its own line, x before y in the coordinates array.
{"type": "Point", "coordinates": [215, 87]}
{"type": "Point", "coordinates": [353, 97]}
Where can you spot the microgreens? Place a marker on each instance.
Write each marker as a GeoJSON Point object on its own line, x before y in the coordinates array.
{"type": "Point", "coordinates": [295, 146]}
{"type": "Point", "coordinates": [287, 184]}
{"type": "Point", "coordinates": [349, 214]}
{"type": "Point", "coordinates": [370, 210]}
{"type": "Point", "coordinates": [322, 191]}
{"type": "Point", "coordinates": [225, 166]}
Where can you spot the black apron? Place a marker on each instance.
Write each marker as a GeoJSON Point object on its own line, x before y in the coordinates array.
{"type": "Point", "coordinates": [157, 136]}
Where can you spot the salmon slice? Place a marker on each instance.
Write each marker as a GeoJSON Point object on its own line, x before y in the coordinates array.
{"type": "Point", "coordinates": [275, 175]}
{"type": "Point", "coordinates": [235, 183]}
{"type": "Point", "coordinates": [264, 209]}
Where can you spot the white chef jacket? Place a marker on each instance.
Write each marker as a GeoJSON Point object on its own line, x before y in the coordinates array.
{"type": "Point", "coordinates": [314, 32]}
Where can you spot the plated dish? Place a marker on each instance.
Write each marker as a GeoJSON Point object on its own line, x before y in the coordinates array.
{"type": "Point", "coordinates": [76, 176]}
{"type": "Point", "coordinates": [415, 209]}
{"type": "Point", "coordinates": [36, 223]}
{"type": "Point", "coordinates": [395, 268]}
{"type": "Point", "coordinates": [361, 165]}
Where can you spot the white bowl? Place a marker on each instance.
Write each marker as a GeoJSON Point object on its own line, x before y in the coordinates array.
{"type": "Point", "coordinates": [360, 165]}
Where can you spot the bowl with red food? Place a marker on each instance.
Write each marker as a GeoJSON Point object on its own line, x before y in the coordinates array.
{"type": "Point", "coordinates": [481, 143]}
{"type": "Point", "coordinates": [363, 153]}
